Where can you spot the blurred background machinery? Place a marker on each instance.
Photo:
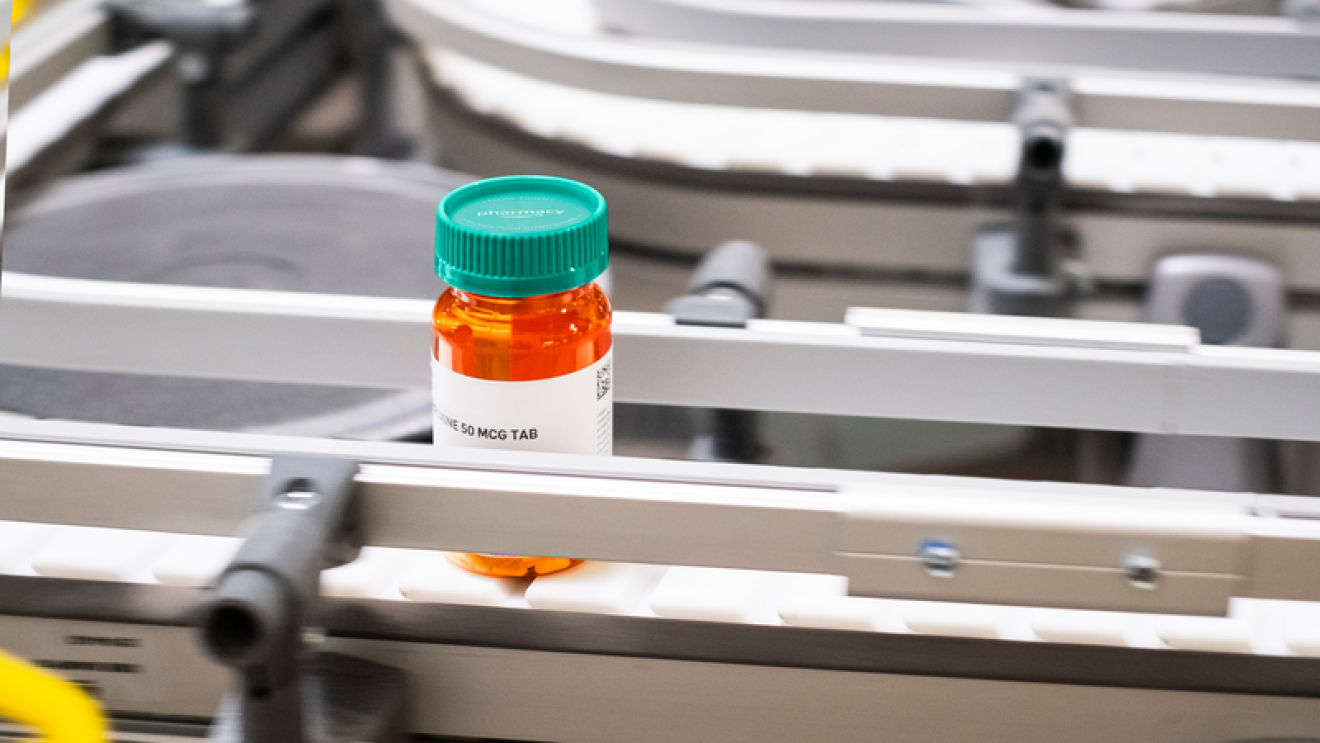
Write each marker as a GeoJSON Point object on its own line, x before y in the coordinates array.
{"type": "Point", "coordinates": [264, 170]}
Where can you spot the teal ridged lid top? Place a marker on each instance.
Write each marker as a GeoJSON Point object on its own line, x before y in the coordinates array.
{"type": "Point", "coordinates": [521, 236]}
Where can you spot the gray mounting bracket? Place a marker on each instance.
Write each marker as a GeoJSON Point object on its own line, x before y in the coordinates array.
{"type": "Point", "coordinates": [257, 616]}
{"type": "Point", "coordinates": [1016, 271]}
{"type": "Point", "coordinates": [730, 287]}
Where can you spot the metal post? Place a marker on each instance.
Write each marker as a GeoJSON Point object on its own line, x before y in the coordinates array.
{"type": "Point", "coordinates": [259, 613]}
{"type": "Point", "coordinates": [730, 286]}
{"type": "Point", "coordinates": [1016, 271]}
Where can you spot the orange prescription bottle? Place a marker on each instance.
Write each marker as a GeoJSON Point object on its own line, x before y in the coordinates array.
{"type": "Point", "coordinates": [521, 351]}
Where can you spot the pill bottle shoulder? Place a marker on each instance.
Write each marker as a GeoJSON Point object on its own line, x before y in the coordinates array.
{"type": "Point", "coordinates": [522, 338]}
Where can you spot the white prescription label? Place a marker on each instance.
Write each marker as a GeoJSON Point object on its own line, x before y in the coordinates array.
{"type": "Point", "coordinates": [572, 414]}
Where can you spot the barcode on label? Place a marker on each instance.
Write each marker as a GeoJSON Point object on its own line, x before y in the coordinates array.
{"type": "Point", "coordinates": [604, 376]}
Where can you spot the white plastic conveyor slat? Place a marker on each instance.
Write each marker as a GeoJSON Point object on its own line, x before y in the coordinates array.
{"type": "Point", "coordinates": [713, 595]}
{"type": "Point", "coordinates": [871, 147]}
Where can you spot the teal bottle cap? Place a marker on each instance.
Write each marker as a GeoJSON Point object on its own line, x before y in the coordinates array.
{"type": "Point", "coordinates": [521, 236]}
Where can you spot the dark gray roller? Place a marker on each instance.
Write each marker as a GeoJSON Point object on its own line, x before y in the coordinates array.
{"type": "Point", "coordinates": [1232, 301]}
{"type": "Point", "coordinates": [290, 223]}
{"type": "Point", "coordinates": [1220, 308]}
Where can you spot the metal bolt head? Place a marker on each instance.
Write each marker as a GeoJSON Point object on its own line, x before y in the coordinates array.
{"type": "Point", "coordinates": [298, 500]}
{"type": "Point", "coordinates": [192, 67]}
{"type": "Point", "coordinates": [1141, 571]}
{"type": "Point", "coordinates": [939, 558]}
{"type": "Point", "coordinates": [313, 637]}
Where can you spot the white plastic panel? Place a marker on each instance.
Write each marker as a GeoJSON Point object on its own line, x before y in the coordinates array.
{"type": "Point", "coordinates": [433, 578]}
{"type": "Point", "coordinates": [19, 542]}
{"type": "Point", "coordinates": [822, 601]}
{"type": "Point", "coordinates": [595, 587]}
{"type": "Point", "coordinates": [195, 560]}
{"type": "Point", "coordinates": [955, 620]}
{"type": "Point", "coordinates": [714, 594]}
{"type": "Point", "coordinates": [1210, 634]}
{"type": "Point", "coordinates": [374, 574]}
{"type": "Point", "coordinates": [101, 554]}
{"type": "Point", "coordinates": [1099, 160]}
{"type": "Point", "coordinates": [1249, 169]}
{"type": "Point", "coordinates": [1082, 627]}
{"type": "Point", "coordinates": [1163, 163]}
{"type": "Point", "coordinates": [1301, 629]}
{"type": "Point", "coordinates": [1303, 171]}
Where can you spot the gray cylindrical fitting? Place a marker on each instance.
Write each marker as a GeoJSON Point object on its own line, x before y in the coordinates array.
{"type": "Point", "coordinates": [738, 265]}
{"type": "Point", "coordinates": [248, 617]}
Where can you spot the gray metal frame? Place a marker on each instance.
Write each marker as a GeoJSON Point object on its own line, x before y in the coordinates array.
{"type": "Point", "coordinates": [771, 365]}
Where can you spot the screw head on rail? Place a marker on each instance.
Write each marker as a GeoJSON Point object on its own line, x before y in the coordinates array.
{"type": "Point", "coordinates": [298, 495]}
{"type": "Point", "coordinates": [1141, 571]}
{"type": "Point", "coordinates": [939, 558]}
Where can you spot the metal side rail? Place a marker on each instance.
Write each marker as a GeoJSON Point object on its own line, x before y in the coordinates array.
{"type": "Point", "coordinates": [798, 80]}
{"type": "Point", "coordinates": [108, 531]}
{"type": "Point", "coordinates": [944, 539]}
{"type": "Point", "coordinates": [927, 366]}
{"type": "Point", "coordinates": [1041, 34]}
{"type": "Point", "coordinates": [110, 605]}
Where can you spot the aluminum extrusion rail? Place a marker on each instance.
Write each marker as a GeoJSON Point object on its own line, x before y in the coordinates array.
{"type": "Point", "coordinates": [1198, 43]}
{"type": "Point", "coordinates": [961, 371]}
{"type": "Point", "coordinates": [1210, 548]}
{"type": "Point", "coordinates": [798, 80]}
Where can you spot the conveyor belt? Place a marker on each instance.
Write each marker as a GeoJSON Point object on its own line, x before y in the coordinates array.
{"type": "Point", "coordinates": [748, 651]}
{"type": "Point", "coordinates": [838, 222]}
{"type": "Point", "coordinates": [842, 162]}
{"type": "Point", "coordinates": [879, 148]}
{"type": "Point", "coordinates": [135, 580]}
{"type": "Point", "coordinates": [728, 597]}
